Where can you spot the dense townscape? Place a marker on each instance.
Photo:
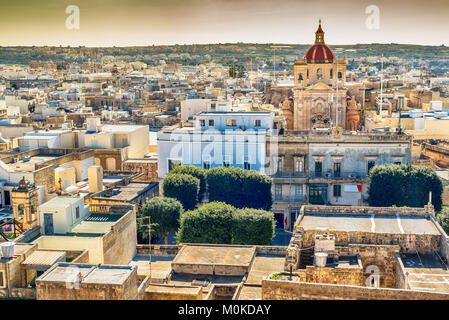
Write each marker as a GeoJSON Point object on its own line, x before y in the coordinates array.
{"type": "Point", "coordinates": [225, 172]}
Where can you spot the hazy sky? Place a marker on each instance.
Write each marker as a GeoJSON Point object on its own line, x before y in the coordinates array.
{"type": "Point", "coordinates": [148, 22]}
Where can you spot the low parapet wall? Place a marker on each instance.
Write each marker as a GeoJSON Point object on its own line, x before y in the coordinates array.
{"type": "Point", "coordinates": [163, 250]}
{"type": "Point", "coordinates": [289, 290]}
{"type": "Point", "coordinates": [380, 211]}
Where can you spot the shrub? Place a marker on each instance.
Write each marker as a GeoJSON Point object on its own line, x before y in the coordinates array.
{"type": "Point", "coordinates": [253, 226]}
{"type": "Point", "coordinates": [211, 223]}
{"type": "Point", "coordinates": [218, 222]}
{"type": "Point", "coordinates": [182, 187]}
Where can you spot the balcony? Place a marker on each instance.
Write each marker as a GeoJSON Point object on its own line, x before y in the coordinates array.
{"type": "Point", "coordinates": [284, 174]}
{"type": "Point", "coordinates": [286, 198]}
{"type": "Point", "coordinates": [338, 175]}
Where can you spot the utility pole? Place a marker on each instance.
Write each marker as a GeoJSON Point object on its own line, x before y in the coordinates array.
{"type": "Point", "coordinates": [274, 57]}
{"type": "Point", "coordinates": [149, 225]}
{"type": "Point", "coordinates": [381, 83]}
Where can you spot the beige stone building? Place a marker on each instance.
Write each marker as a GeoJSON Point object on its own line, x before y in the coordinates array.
{"type": "Point", "coordinates": [359, 253]}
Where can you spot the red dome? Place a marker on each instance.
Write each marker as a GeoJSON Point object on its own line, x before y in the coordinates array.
{"type": "Point", "coordinates": [319, 52]}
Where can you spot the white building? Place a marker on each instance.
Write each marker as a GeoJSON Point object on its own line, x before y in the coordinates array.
{"type": "Point", "coordinates": [236, 139]}
{"type": "Point", "coordinates": [61, 214]}
{"type": "Point", "coordinates": [47, 139]}
{"type": "Point", "coordinates": [132, 137]}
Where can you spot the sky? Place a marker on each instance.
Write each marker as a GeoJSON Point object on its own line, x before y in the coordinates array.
{"type": "Point", "coordinates": [105, 23]}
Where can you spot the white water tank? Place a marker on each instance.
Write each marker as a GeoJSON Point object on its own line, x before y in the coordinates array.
{"type": "Point", "coordinates": [320, 259]}
{"type": "Point", "coordinates": [7, 249]}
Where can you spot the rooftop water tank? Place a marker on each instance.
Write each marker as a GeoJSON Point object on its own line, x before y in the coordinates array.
{"type": "Point", "coordinates": [7, 249]}
{"type": "Point", "coordinates": [320, 259]}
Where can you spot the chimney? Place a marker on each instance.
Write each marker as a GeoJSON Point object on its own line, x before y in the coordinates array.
{"type": "Point", "coordinates": [95, 176]}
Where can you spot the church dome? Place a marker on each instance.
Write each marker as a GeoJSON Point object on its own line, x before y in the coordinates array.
{"type": "Point", "coordinates": [319, 51]}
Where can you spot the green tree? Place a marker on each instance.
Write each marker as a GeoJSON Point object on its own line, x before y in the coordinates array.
{"type": "Point", "coordinates": [237, 71]}
{"type": "Point", "coordinates": [240, 188]}
{"type": "Point", "coordinates": [404, 185]}
{"type": "Point", "coordinates": [197, 172]}
{"type": "Point", "coordinates": [218, 222]}
{"type": "Point", "coordinates": [182, 187]}
{"type": "Point", "coordinates": [253, 226]}
{"type": "Point", "coordinates": [443, 219]}
{"type": "Point", "coordinates": [211, 223]}
{"type": "Point", "coordinates": [164, 214]}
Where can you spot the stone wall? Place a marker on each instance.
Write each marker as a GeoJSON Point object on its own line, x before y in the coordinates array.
{"type": "Point", "coordinates": [286, 290]}
{"type": "Point", "coordinates": [57, 290]}
{"type": "Point", "coordinates": [423, 243]}
{"type": "Point", "coordinates": [173, 292]}
{"type": "Point", "coordinates": [119, 245]}
{"type": "Point", "coordinates": [401, 278]}
{"type": "Point", "coordinates": [350, 276]}
{"type": "Point", "coordinates": [147, 167]}
{"type": "Point", "coordinates": [380, 256]}
{"type": "Point", "coordinates": [164, 250]}
{"type": "Point", "coordinates": [274, 250]}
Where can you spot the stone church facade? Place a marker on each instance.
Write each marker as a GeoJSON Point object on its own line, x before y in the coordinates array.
{"type": "Point", "coordinates": [319, 94]}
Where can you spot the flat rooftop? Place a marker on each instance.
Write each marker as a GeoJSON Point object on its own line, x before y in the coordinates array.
{"type": "Point", "coordinates": [108, 274]}
{"type": "Point", "coordinates": [215, 255]}
{"type": "Point", "coordinates": [104, 274]}
{"type": "Point", "coordinates": [31, 164]}
{"type": "Point", "coordinates": [96, 223]}
{"type": "Point", "coordinates": [263, 266]}
{"type": "Point", "coordinates": [426, 272]}
{"type": "Point", "coordinates": [127, 192]}
{"type": "Point", "coordinates": [344, 262]}
{"type": "Point", "coordinates": [160, 266]}
{"type": "Point", "coordinates": [369, 223]}
{"type": "Point", "coordinates": [59, 202]}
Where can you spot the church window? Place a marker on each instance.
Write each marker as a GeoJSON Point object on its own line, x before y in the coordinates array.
{"type": "Point", "coordinates": [307, 74]}
{"type": "Point", "coordinates": [20, 208]}
{"type": "Point", "coordinates": [300, 77]}
{"type": "Point", "coordinates": [319, 74]}
{"type": "Point", "coordinates": [332, 73]}
{"type": "Point", "coordinates": [339, 75]}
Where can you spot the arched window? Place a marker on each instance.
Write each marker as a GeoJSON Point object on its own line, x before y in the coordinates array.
{"type": "Point", "coordinates": [319, 74]}
{"type": "Point", "coordinates": [110, 164]}
{"type": "Point", "coordinates": [300, 77]}
{"type": "Point", "coordinates": [307, 73]}
{"type": "Point", "coordinates": [332, 73]}
{"type": "Point", "coordinates": [339, 75]}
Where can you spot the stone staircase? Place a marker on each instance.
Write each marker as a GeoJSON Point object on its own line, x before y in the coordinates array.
{"type": "Point", "coordinates": [307, 257]}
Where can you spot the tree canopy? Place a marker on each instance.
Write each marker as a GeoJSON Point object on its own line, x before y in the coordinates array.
{"type": "Point", "coordinates": [404, 185]}
{"type": "Point", "coordinates": [240, 188]}
{"type": "Point", "coordinates": [182, 187]}
{"type": "Point", "coordinates": [164, 214]}
{"type": "Point", "coordinates": [197, 172]}
{"type": "Point", "coordinates": [221, 223]}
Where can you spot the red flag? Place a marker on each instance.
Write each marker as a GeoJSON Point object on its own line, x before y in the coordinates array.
{"type": "Point", "coordinates": [359, 186]}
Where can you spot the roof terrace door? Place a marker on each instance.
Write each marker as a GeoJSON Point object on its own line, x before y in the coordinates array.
{"type": "Point", "coordinates": [48, 223]}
